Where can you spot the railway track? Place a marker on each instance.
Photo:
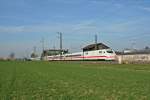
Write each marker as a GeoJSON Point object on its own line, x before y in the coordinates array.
{"type": "Point", "coordinates": [86, 62]}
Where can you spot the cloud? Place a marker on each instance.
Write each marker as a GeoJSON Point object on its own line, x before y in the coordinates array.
{"type": "Point", "coordinates": [28, 29]}
{"type": "Point", "coordinates": [97, 1]}
{"type": "Point", "coordinates": [146, 8]}
{"type": "Point", "coordinates": [67, 1]}
{"type": "Point", "coordinates": [11, 29]}
{"type": "Point", "coordinates": [90, 24]}
{"type": "Point", "coordinates": [66, 27]}
{"type": "Point", "coordinates": [118, 5]}
{"type": "Point", "coordinates": [82, 27]}
{"type": "Point", "coordinates": [87, 26]}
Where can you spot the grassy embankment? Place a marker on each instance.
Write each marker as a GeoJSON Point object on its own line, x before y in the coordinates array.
{"type": "Point", "coordinates": [74, 80]}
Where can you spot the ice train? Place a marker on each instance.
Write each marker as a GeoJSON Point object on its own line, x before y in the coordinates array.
{"type": "Point", "coordinates": [102, 54]}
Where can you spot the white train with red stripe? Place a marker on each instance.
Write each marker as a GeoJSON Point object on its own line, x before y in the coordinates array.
{"type": "Point", "coordinates": [102, 54]}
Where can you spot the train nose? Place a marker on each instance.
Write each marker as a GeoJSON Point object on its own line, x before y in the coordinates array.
{"type": "Point", "coordinates": [113, 57]}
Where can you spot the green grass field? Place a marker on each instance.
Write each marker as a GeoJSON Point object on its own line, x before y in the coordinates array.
{"type": "Point", "coordinates": [73, 81]}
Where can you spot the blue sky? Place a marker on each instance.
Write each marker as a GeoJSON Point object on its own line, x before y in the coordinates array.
{"type": "Point", "coordinates": [118, 23]}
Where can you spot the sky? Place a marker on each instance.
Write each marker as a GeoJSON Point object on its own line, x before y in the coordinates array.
{"type": "Point", "coordinates": [118, 23]}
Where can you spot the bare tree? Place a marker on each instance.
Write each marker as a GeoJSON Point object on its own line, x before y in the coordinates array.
{"type": "Point", "coordinates": [12, 56]}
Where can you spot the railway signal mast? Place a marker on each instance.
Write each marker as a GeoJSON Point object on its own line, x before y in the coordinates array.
{"type": "Point", "coordinates": [96, 42]}
{"type": "Point", "coordinates": [42, 41]}
{"type": "Point", "coordinates": [60, 42]}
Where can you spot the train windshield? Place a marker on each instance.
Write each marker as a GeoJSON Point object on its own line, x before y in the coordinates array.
{"type": "Point", "coordinates": [109, 51]}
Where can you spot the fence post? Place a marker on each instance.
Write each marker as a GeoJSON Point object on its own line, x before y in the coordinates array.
{"type": "Point", "coordinates": [120, 59]}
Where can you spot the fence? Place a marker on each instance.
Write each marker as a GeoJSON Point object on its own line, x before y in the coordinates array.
{"type": "Point", "coordinates": [133, 58]}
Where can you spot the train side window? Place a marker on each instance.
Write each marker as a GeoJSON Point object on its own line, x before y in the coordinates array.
{"type": "Point", "coordinates": [100, 51]}
{"type": "Point", "coordinates": [110, 51]}
{"type": "Point", "coordinates": [86, 53]}
{"type": "Point", "coordinates": [104, 52]}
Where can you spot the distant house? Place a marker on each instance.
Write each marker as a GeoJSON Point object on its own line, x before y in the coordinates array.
{"type": "Point", "coordinates": [134, 51]}
{"type": "Point", "coordinates": [97, 46]}
{"type": "Point", "coordinates": [129, 51]}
